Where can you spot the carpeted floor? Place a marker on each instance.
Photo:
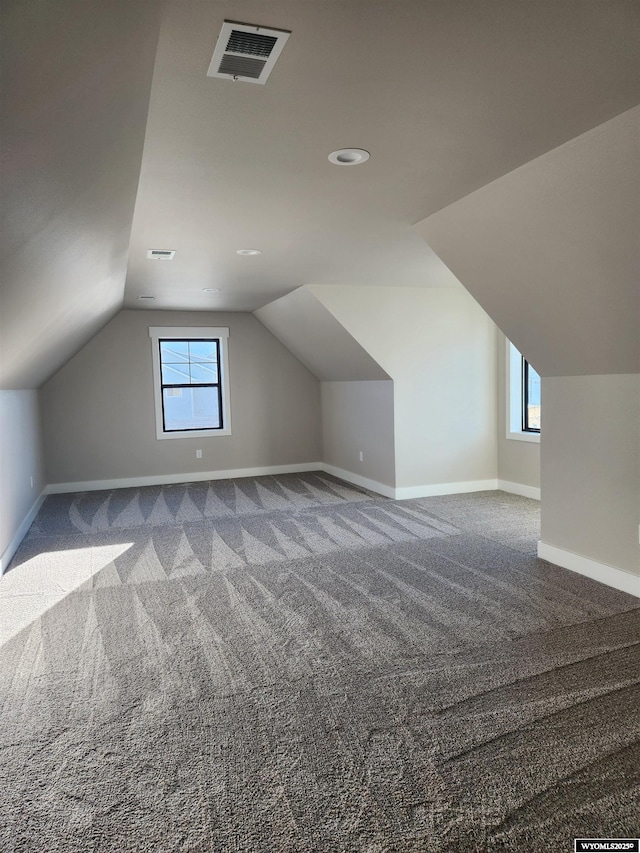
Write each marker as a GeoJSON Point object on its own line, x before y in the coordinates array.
{"type": "Point", "coordinates": [290, 665]}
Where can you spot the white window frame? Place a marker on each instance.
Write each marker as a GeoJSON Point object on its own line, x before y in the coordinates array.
{"type": "Point", "coordinates": [193, 333]}
{"type": "Point", "coordinates": [514, 396]}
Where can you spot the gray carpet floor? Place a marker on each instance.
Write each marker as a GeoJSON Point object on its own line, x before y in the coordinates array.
{"type": "Point", "coordinates": [291, 665]}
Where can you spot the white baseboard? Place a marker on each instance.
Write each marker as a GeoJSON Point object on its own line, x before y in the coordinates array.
{"type": "Point", "coordinates": [519, 489]}
{"type": "Point", "coordinates": [358, 480]}
{"type": "Point", "coordinates": [21, 532]}
{"type": "Point", "coordinates": [191, 477]}
{"type": "Point", "coordinates": [401, 493]}
{"type": "Point", "coordinates": [408, 492]}
{"type": "Point", "coordinates": [435, 489]}
{"type": "Point", "coordinates": [617, 578]}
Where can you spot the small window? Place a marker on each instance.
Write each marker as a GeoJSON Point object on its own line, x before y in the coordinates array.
{"type": "Point", "coordinates": [191, 386]}
{"type": "Point", "coordinates": [530, 398]}
{"type": "Point", "coordinates": [523, 398]}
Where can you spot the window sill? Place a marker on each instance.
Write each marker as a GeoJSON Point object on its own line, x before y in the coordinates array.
{"type": "Point", "coordinates": [532, 437]}
{"type": "Point", "coordinates": [198, 433]}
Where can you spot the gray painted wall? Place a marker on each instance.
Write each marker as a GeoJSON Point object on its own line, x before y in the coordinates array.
{"type": "Point", "coordinates": [439, 347]}
{"type": "Point", "coordinates": [518, 461]}
{"type": "Point", "coordinates": [21, 458]}
{"type": "Point", "coordinates": [358, 417]}
{"type": "Point", "coordinates": [551, 251]}
{"type": "Point", "coordinates": [591, 467]}
{"type": "Point", "coordinates": [98, 410]}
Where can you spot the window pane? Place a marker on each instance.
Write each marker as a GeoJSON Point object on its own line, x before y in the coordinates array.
{"type": "Point", "coordinates": [204, 372]}
{"type": "Point", "coordinates": [533, 398]}
{"type": "Point", "coordinates": [174, 352]}
{"type": "Point", "coordinates": [175, 374]}
{"type": "Point", "coordinates": [203, 350]}
{"type": "Point", "coordinates": [197, 408]}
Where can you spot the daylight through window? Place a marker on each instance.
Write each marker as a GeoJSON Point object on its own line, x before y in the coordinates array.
{"type": "Point", "coordinates": [530, 398]}
{"type": "Point", "coordinates": [523, 398]}
{"type": "Point", "coordinates": [190, 381]}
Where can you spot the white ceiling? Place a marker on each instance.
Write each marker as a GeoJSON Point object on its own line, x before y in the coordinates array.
{"type": "Point", "coordinates": [317, 339]}
{"type": "Point", "coordinates": [75, 79]}
{"type": "Point", "coordinates": [447, 96]}
{"type": "Point", "coordinates": [552, 251]}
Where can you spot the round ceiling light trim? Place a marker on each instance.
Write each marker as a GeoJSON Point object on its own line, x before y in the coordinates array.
{"type": "Point", "coordinates": [211, 289]}
{"type": "Point", "coordinates": [248, 251]}
{"type": "Point", "coordinates": [349, 157]}
{"type": "Point", "coordinates": [146, 297]}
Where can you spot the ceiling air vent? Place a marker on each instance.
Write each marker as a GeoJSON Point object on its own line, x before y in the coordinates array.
{"type": "Point", "coordinates": [246, 52]}
{"type": "Point", "coordinates": [161, 254]}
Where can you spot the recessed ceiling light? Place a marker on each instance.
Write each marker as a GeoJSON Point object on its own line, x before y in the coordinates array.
{"type": "Point", "coordinates": [349, 156]}
{"type": "Point", "coordinates": [211, 290]}
{"type": "Point", "coordinates": [146, 297]}
{"type": "Point", "coordinates": [249, 252]}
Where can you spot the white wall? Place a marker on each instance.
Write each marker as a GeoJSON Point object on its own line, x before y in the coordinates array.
{"type": "Point", "coordinates": [357, 417]}
{"type": "Point", "coordinates": [22, 477]}
{"type": "Point", "coordinates": [439, 347]}
{"type": "Point", "coordinates": [551, 251]}
{"type": "Point", "coordinates": [591, 501]}
{"type": "Point", "coordinates": [98, 410]}
{"type": "Point", "coordinates": [317, 339]}
{"type": "Point", "coordinates": [518, 461]}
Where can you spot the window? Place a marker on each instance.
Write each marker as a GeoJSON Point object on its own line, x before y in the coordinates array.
{"type": "Point", "coordinates": [191, 384]}
{"type": "Point", "coordinates": [530, 398]}
{"type": "Point", "coordinates": [523, 398]}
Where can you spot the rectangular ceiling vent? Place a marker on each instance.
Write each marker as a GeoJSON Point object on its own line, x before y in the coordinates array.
{"type": "Point", "coordinates": [161, 254]}
{"type": "Point", "coordinates": [246, 52]}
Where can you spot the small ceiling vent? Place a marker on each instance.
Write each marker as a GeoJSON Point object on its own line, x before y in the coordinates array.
{"type": "Point", "coordinates": [246, 52]}
{"type": "Point", "coordinates": [161, 254]}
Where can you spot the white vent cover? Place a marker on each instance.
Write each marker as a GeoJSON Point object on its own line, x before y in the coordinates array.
{"type": "Point", "coordinates": [246, 52]}
{"type": "Point", "coordinates": [161, 254]}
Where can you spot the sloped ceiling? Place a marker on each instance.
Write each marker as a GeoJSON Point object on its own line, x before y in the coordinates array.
{"type": "Point", "coordinates": [552, 252]}
{"type": "Point", "coordinates": [447, 97]}
{"type": "Point", "coordinates": [76, 78]}
{"type": "Point", "coordinates": [317, 339]}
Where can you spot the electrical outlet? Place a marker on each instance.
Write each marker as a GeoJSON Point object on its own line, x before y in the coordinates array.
{"type": "Point", "coordinates": [198, 454]}
{"type": "Point", "coordinates": [361, 456]}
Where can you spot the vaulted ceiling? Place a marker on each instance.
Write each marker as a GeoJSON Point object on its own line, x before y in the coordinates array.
{"type": "Point", "coordinates": [116, 142]}
{"type": "Point", "coordinates": [552, 251]}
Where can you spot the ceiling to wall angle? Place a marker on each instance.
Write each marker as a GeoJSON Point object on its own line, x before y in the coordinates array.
{"type": "Point", "coordinates": [246, 53]}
